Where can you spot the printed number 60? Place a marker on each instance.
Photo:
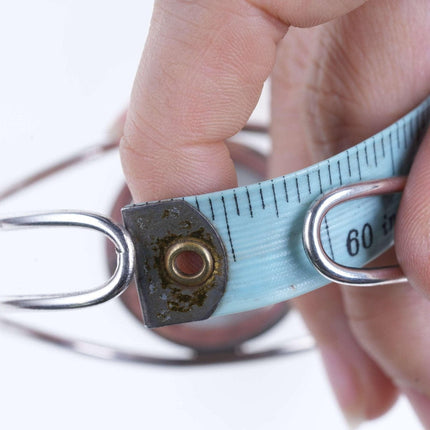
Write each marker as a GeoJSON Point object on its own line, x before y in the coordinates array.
{"type": "Point", "coordinates": [353, 242]}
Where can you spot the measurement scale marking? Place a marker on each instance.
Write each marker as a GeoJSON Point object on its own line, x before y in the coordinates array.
{"type": "Point", "coordinates": [349, 163]}
{"type": "Point", "coordinates": [237, 205]}
{"type": "Point", "coordinates": [212, 209]}
{"type": "Point", "coordinates": [340, 172]}
{"type": "Point", "coordinates": [249, 203]}
{"type": "Point", "coordinates": [309, 183]}
{"type": "Point", "coordinates": [390, 142]}
{"type": "Point", "coordinates": [228, 229]}
{"type": "Point", "coordinates": [365, 154]}
{"type": "Point", "coordinates": [398, 136]}
{"type": "Point", "coordinates": [319, 180]}
{"type": "Point", "coordinates": [358, 164]}
{"type": "Point", "coordinates": [285, 188]}
{"type": "Point", "coordinates": [298, 190]}
{"type": "Point", "coordinates": [328, 236]}
{"type": "Point", "coordinates": [405, 143]}
{"type": "Point", "coordinates": [374, 152]}
{"type": "Point", "coordinates": [329, 172]}
{"type": "Point", "coordinates": [274, 199]}
{"type": "Point", "coordinates": [263, 204]}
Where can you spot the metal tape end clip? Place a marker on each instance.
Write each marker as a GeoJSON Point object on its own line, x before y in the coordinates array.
{"type": "Point", "coordinates": [162, 232]}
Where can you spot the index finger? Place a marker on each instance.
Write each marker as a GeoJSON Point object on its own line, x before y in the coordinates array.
{"type": "Point", "coordinates": [199, 79]}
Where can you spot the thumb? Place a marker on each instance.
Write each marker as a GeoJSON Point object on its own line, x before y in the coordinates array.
{"type": "Point", "coordinates": [200, 77]}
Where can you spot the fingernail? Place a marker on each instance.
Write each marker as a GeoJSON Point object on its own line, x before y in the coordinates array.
{"type": "Point", "coordinates": [346, 387]}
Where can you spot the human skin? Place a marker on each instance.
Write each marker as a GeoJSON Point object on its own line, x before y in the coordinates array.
{"type": "Point", "coordinates": [341, 71]}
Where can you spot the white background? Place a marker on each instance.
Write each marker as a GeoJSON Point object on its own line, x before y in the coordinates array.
{"type": "Point", "coordinates": [66, 72]}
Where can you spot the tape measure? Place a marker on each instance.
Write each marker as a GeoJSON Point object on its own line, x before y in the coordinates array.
{"type": "Point", "coordinates": [248, 239]}
{"type": "Point", "coordinates": [260, 227]}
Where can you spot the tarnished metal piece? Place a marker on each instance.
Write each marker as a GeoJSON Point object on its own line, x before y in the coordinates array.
{"type": "Point", "coordinates": [157, 231]}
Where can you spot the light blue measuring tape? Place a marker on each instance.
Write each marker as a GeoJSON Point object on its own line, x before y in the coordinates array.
{"type": "Point", "coordinates": [249, 239]}
{"type": "Point", "coordinates": [261, 225]}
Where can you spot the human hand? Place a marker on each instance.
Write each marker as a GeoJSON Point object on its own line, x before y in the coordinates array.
{"type": "Point", "coordinates": [333, 85]}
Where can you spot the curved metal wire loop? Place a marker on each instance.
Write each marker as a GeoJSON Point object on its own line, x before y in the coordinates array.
{"type": "Point", "coordinates": [312, 237]}
{"type": "Point", "coordinates": [105, 352]}
{"type": "Point", "coordinates": [118, 282]}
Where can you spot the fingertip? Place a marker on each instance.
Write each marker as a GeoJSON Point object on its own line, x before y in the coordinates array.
{"type": "Point", "coordinates": [362, 389]}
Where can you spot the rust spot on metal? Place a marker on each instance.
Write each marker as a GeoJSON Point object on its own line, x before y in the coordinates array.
{"type": "Point", "coordinates": [183, 299]}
